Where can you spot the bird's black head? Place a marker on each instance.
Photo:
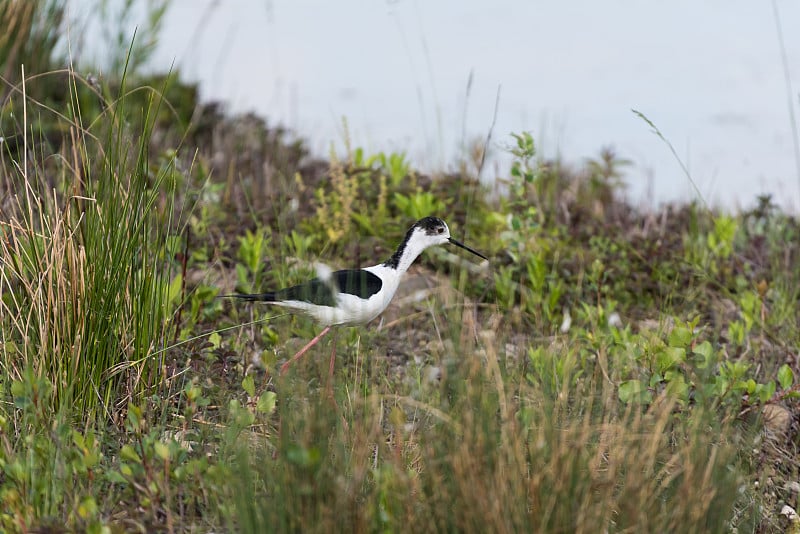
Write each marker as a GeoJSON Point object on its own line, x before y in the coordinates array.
{"type": "Point", "coordinates": [426, 232]}
{"type": "Point", "coordinates": [432, 226]}
{"type": "Point", "coordinates": [437, 233]}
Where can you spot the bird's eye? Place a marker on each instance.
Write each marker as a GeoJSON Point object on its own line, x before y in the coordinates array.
{"type": "Point", "coordinates": [440, 230]}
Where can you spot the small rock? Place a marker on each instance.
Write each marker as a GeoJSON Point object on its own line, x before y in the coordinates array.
{"type": "Point", "coordinates": [777, 419]}
{"type": "Point", "coordinates": [433, 374]}
{"type": "Point", "coordinates": [789, 513]}
{"type": "Point", "coordinates": [487, 336]}
{"type": "Point", "coordinates": [793, 486]}
{"type": "Point", "coordinates": [567, 322]}
{"type": "Point", "coordinates": [614, 320]}
{"type": "Point", "coordinates": [512, 351]}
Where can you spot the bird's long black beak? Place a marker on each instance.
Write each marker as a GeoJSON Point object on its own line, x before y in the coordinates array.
{"type": "Point", "coordinates": [465, 247]}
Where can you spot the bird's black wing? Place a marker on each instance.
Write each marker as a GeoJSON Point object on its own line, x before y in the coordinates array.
{"type": "Point", "coordinates": [356, 282]}
{"type": "Point", "coordinates": [314, 291]}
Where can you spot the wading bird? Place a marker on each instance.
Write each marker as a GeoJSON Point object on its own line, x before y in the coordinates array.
{"type": "Point", "coordinates": [357, 296]}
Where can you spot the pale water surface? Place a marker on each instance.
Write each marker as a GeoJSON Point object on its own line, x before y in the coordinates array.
{"type": "Point", "coordinates": [708, 73]}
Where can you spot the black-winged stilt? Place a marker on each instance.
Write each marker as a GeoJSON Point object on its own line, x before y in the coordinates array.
{"type": "Point", "coordinates": [356, 296]}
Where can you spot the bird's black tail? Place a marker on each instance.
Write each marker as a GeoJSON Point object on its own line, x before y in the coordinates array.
{"type": "Point", "coordinates": [252, 297]}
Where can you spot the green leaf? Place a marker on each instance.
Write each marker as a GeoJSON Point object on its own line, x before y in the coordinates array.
{"type": "Point", "coordinates": [192, 392]}
{"type": "Point", "coordinates": [17, 388]}
{"type": "Point", "coordinates": [134, 417]}
{"type": "Point", "coordinates": [680, 337]}
{"type": "Point", "coordinates": [304, 457]}
{"type": "Point", "coordinates": [128, 453]}
{"type": "Point", "coordinates": [126, 471]}
{"type": "Point", "coordinates": [162, 450]}
{"type": "Point", "coordinates": [116, 477]}
{"type": "Point", "coordinates": [241, 417]}
{"type": "Point", "coordinates": [266, 403]}
{"type": "Point", "coordinates": [633, 391]}
{"type": "Point", "coordinates": [655, 379]}
{"type": "Point", "coordinates": [785, 376]}
{"type": "Point", "coordinates": [78, 440]}
{"type": "Point", "coordinates": [364, 222]}
{"type": "Point", "coordinates": [750, 386]}
{"type": "Point", "coordinates": [242, 277]}
{"type": "Point", "coordinates": [670, 357]}
{"type": "Point", "coordinates": [677, 386]}
{"type": "Point", "coordinates": [87, 508]}
{"type": "Point", "coordinates": [248, 384]}
{"type": "Point", "coordinates": [766, 391]}
{"type": "Point", "coordinates": [174, 289]}
{"type": "Point", "coordinates": [706, 352]}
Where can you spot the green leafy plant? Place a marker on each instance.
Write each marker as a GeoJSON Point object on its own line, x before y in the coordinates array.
{"type": "Point", "coordinates": [47, 466]}
{"type": "Point", "coordinates": [151, 464]}
{"type": "Point", "coordinates": [394, 164]}
{"type": "Point", "coordinates": [418, 205]}
{"type": "Point", "coordinates": [335, 208]}
{"type": "Point", "coordinates": [252, 254]}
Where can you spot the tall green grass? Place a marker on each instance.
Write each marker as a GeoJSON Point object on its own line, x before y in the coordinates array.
{"type": "Point", "coordinates": [83, 288]}
{"type": "Point", "coordinates": [84, 284]}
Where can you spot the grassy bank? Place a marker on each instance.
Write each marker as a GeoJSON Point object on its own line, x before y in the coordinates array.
{"type": "Point", "coordinates": [608, 370]}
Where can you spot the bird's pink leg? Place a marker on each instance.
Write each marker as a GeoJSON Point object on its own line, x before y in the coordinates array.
{"type": "Point", "coordinates": [302, 351]}
{"type": "Point", "coordinates": [330, 381]}
{"type": "Point", "coordinates": [330, 369]}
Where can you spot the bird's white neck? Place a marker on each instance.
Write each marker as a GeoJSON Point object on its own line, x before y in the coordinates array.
{"type": "Point", "coordinates": [408, 251]}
